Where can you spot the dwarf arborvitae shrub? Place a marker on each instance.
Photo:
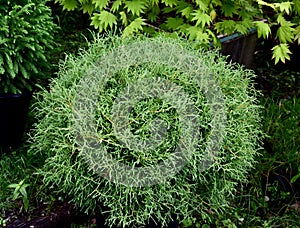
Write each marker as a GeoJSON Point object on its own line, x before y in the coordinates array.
{"type": "Point", "coordinates": [192, 192]}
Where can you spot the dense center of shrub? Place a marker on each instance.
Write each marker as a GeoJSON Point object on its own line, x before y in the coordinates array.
{"type": "Point", "coordinates": [145, 113]}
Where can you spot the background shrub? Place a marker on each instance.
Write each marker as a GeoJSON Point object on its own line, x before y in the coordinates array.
{"type": "Point", "coordinates": [26, 35]}
{"type": "Point", "coordinates": [190, 193]}
{"type": "Point", "coordinates": [201, 20]}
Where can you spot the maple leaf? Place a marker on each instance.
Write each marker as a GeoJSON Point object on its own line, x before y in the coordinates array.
{"type": "Point", "coordinates": [228, 8]}
{"type": "Point", "coordinates": [193, 31]}
{"type": "Point", "coordinates": [225, 26]}
{"type": "Point", "coordinates": [297, 35]}
{"type": "Point", "coordinates": [134, 27]}
{"type": "Point", "coordinates": [88, 7]}
{"type": "Point", "coordinates": [100, 4]}
{"type": "Point", "coordinates": [284, 6]}
{"type": "Point", "coordinates": [197, 33]}
{"type": "Point", "coordinates": [153, 2]}
{"type": "Point", "coordinates": [202, 4]}
{"type": "Point", "coordinates": [103, 20]}
{"type": "Point", "coordinates": [70, 4]}
{"type": "Point", "coordinates": [263, 3]}
{"type": "Point", "coordinates": [186, 12]}
{"type": "Point", "coordinates": [136, 7]}
{"type": "Point", "coordinates": [281, 52]}
{"type": "Point", "coordinates": [182, 5]}
{"type": "Point", "coordinates": [201, 18]}
{"type": "Point", "coordinates": [243, 26]}
{"type": "Point", "coordinates": [285, 33]}
{"type": "Point", "coordinates": [263, 29]}
{"type": "Point", "coordinates": [153, 14]}
{"type": "Point", "coordinates": [116, 5]}
{"type": "Point", "coordinates": [174, 23]}
{"type": "Point", "coordinates": [170, 2]}
{"type": "Point", "coordinates": [124, 18]}
{"type": "Point", "coordinates": [297, 6]}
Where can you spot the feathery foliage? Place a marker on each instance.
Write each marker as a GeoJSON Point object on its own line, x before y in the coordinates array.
{"type": "Point", "coordinates": [190, 192]}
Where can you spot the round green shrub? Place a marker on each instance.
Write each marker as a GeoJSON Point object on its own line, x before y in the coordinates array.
{"type": "Point", "coordinates": [192, 192]}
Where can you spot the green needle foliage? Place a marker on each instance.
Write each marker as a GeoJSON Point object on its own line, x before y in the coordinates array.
{"type": "Point", "coordinates": [191, 192]}
{"type": "Point", "coordinates": [26, 34]}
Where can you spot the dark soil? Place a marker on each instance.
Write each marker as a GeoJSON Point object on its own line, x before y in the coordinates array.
{"type": "Point", "coordinates": [62, 215]}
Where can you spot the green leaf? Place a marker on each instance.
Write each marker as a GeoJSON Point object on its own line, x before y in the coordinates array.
{"type": "Point", "coordinates": [225, 27]}
{"type": "Point", "coordinates": [13, 186]}
{"type": "Point", "coordinates": [149, 30]}
{"type": "Point", "coordinates": [153, 14]}
{"type": "Point", "coordinates": [136, 7]}
{"type": "Point", "coordinates": [297, 35]}
{"type": "Point", "coordinates": [193, 31]}
{"type": "Point", "coordinates": [281, 20]}
{"type": "Point", "coordinates": [293, 180]}
{"type": "Point", "coordinates": [153, 2]}
{"type": "Point", "coordinates": [124, 18]}
{"type": "Point", "coordinates": [70, 4]}
{"type": "Point", "coordinates": [284, 6]}
{"type": "Point", "coordinates": [182, 5]}
{"type": "Point", "coordinates": [134, 27]}
{"type": "Point", "coordinates": [88, 7]}
{"type": "Point", "coordinates": [243, 26]}
{"type": "Point", "coordinates": [100, 4]}
{"type": "Point", "coordinates": [168, 9]}
{"type": "Point", "coordinates": [281, 52]}
{"type": "Point", "coordinates": [24, 72]}
{"type": "Point", "coordinates": [174, 23]}
{"type": "Point", "coordinates": [116, 5]}
{"type": "Point", "coordinates": [170, 3]}
{"type": "Point", "coordinates": [25, 203]}
{"type": "Point", "coordinates": [23, 190]}
{"type": "Point", "coordinates": [228, 8]}
{"type": "Point", "coordinates": [16, 194]}
{"type": "Point", "coordinates": [263, 29]}
{"type": "Point", "coordinates": [285, 33]}
{"type": "Point", "coordinates": [29, 65]}
{"type": "Point", "coordinates": [197, 33]}
{"type": "Point", "coordinates": [201, 18]}
{"type": "Point", "coordinates": [187, 12]}
{"type": "Point", "coordinates": [183, 28]}
{"type": "Point", "coordinates": [103, 20]}
{"type": "Point", "coordinates": [297, 6]}
{"type": "Point", "coordinates": [244, 14]}
{"type": "Point", "coordinates": [16, 67]}
{"type": "Point", "coordinates": [10, 66]}
{"type": "Point", "coordinates": [29, 46]}
{"type": "Point", "coordinates": [203, 4]}
{"type": "Point", "coordinates": [203, 37]}
{"type": "Point", "coordinates": [28, 87]}
{"type": "Point", "coordinates": [263, 3]}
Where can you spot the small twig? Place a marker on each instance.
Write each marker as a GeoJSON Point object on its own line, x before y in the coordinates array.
{"type": "Point", "coordinates": [157, 28]}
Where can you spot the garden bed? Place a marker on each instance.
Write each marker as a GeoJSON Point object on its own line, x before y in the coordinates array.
{"type": "Point", "coordinates": [61, 216]}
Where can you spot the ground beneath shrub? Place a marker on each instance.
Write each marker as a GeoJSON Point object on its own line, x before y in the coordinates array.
{"type": "Point", "coordinates": [61, 215]}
